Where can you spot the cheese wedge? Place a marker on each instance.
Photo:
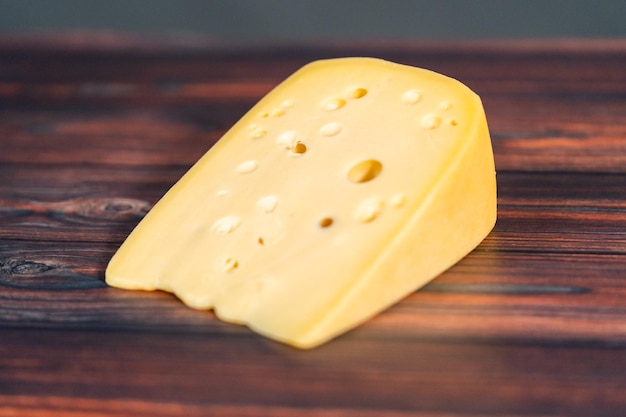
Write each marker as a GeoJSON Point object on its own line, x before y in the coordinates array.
{"type": "Point", "coordinates": [352, 184]}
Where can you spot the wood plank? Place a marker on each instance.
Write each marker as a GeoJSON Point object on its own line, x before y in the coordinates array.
{"type": "Point", "coordinates": [532, 323]}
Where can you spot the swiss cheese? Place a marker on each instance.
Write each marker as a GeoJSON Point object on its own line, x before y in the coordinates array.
{"type": "Point", "coordinates": [352, 184]}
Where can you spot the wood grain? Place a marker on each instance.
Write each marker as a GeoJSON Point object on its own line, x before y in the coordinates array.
{"type": "Point", "coordinates": [94, 129]}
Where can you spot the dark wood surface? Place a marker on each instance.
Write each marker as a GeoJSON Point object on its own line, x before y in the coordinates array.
{"type": "Point", "coordinates": [93, 130]}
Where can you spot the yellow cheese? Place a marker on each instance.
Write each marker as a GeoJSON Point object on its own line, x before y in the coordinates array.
{"type": "Point", "coordinates": [350, 185]}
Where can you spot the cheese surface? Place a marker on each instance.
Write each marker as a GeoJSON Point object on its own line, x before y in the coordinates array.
{"type": "Point", "coordinates": [350, 185]}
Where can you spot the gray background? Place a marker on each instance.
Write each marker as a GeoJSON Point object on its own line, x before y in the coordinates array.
{"type": "Point", "coordinates": [285, 20]}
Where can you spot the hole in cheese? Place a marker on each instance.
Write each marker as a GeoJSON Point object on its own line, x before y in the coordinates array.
{"type": "Point", "coordinates": [412, 96]}
{"type": "Point", "coordinates": [369, 209]}
{"type": "Point", "coordinates": [430, 121]}
{"type": "Point", "coordinates": [445, 105]}
{"type": "Point", "coordinates": [226, 225]}
{"type": "Point", "coordinates": [357, 92]}
{"type": "Point", "coordinates": [330, 129]}
{"type": "Point", "coordinates": [299, 148]}
{"type": "Point", "coordinates": [398, 200]}
{"type": "Point", "coordinates": [287, 139]}
{"type": "Point", "coordinates": [258, 133]}
{"type": "Point", "coordinates": [365, 171]}
{"type": "Point", "coordinates": [326, 222]}
{"type": "Point", "coordinates": [230, 264]}
{"type": "Point", "coordinates": [247, 167]}
{"type": "Point", "coordinates": [278, 112]}
{"type": "Point", "coordinates": [268, 203]}
{"type": "Point", "coordinates": [333, 103]}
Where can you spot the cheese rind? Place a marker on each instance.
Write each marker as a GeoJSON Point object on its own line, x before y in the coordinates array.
{"type": "Point", "coordinates": [350, 185]}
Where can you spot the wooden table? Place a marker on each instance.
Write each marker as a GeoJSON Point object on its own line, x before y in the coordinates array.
{"type": "Point", "coordinates": [94, 129]}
